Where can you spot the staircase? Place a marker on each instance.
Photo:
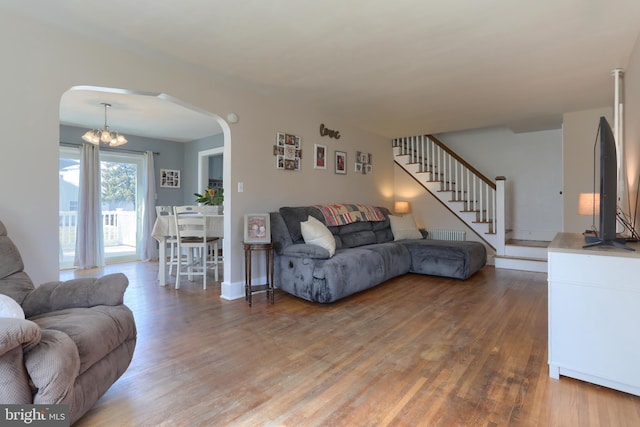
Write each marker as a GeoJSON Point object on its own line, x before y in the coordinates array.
{"type": "Point", "coordinates": [476, 200]}
{"type": "Point", "coordinates": [523, 255]}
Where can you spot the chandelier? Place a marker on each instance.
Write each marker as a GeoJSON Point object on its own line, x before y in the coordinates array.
{"type": "Point", "coordinates": [108, 137]}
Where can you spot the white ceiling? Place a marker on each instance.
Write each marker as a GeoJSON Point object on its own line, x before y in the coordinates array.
{"type": "Point", "coordinates": [395, 68]}
{"type": "Point", "coordinates": [144, 114]}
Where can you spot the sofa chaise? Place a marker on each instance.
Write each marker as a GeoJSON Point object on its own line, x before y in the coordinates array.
{"type": "Point", "coordinates": [61, 342]}
{"type": "Point", "coordinates": [366, 254]}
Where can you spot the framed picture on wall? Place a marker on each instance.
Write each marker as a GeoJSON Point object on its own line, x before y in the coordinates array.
{"type": "Point", "coordinates": [169, 178]}
{"type": "Point", "coordinates": [341, 162]}
{"type": "Point", "coordinates": [257, 228]}
{"type": "Point", "coordinates": [288, 151]}
{"type": "Point", "coordinates": [319, 156]}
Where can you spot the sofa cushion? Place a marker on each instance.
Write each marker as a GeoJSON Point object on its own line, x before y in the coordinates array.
{"type": "Point", "coordinates": [404, 227]}
{"type": "Point", "coordinates": [347, 272]}
{"type": "Point", "coordinates": [9, 254]}
{"type": "Point", "coordinates": [304, 250]}
{"type": "Point", "coordinates": [354, 227]}
{"type": "Point", "coordinates": [316, 233]}
{"type": "Point", "coordinates": [381, 225]}
{"type": "Point", "coordinates": [293, 216]}
{"type": "Point", "coordinates": [456, 259]}
{"type": "Point", "coordinates": [395, 258]}
{"type": "Point", "coordinates": [80, 292]}
{"type": "Point", "coordinates": [13, 281]}
{"type": "Point", "coordinates": [359, 238]}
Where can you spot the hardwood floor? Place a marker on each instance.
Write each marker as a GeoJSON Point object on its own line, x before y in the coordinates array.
{"type": "Point", "coordinates": [414, 351]}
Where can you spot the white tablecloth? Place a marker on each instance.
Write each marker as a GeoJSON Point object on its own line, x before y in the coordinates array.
{"type": "Point", "coordinates": [166, 226]}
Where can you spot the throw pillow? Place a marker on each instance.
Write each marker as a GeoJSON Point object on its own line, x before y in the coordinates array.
{"type": "Point", "coordinates": [10, 308]}
{"type": "Point", "coordinates": [404, 227]}
{"type": "Point", "coordinates": [316, 233]}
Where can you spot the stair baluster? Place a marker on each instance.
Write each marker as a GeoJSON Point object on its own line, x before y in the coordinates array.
{"type": "Point", "coordinates": [473, 194]}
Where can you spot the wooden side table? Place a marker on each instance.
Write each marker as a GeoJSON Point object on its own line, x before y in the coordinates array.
{"type": "Point", "coordinates": [249, 288]}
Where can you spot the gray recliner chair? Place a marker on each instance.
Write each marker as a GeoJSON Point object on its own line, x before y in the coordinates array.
{"type": "Point", "coordinates": [76, 340]}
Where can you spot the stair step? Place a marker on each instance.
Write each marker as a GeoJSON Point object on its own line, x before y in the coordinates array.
{"type": "Point", "coordinates": [522, 264]}
{"type": "Point", "coordinates": [526, 249]}
{"type": "Point", "coordinates": [524, 258]}
{"type": "Point", "coordinates": [531, 243]}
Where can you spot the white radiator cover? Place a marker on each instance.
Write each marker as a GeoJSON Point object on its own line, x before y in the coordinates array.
{"type": "Point", "coordinates": [442, 234]}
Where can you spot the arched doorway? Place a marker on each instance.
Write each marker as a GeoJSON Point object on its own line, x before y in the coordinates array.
{"type": "Point", "coordinates": [149, 116]}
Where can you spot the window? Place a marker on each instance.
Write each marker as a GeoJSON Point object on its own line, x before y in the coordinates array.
{"type": "Point", "coordinates": [121, 174]}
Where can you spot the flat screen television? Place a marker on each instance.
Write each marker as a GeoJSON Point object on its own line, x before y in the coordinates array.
{"type": "Point", "coordinates": [608, 191]}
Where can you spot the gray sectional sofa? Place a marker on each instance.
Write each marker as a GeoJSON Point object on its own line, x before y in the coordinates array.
{"type": "Point", "coordinates": [366, 255]}
{"type": "Point", "coordinates": [61, 342]}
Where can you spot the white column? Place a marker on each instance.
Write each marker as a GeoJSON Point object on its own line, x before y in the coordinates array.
{"type": "Point", "coordinates": [500, 215]}
{"type": "Point", "coordinates": [617, 131]}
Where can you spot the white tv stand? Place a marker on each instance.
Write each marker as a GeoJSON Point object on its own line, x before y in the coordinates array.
{"type": "Point", "coordinates": [594, 313]}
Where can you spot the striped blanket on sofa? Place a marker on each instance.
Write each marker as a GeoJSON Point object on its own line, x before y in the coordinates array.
{"type": "Point", "coordinates": [343, 214]}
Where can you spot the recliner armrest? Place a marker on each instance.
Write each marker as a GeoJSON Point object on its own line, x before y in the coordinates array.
{"type": "Point", "coordinates": [16, 336]}
{"type": "Point", "coordinates": [84, 292]}
{"type": "Point", "coordinates": [17, 332]}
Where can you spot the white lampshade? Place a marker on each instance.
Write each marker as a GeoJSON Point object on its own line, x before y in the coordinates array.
{"type": "Point", "coordinates": [401, 207]}
{"type": "Point", "coordinates": [589, 204]}
{"type": "Point", "coordinates": [91, 137]}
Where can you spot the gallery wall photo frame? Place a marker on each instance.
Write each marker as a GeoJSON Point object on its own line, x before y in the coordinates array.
{"type": "Point", "coordinates": [363, 163]}
{"type": "Point", "coordinates": [341, 162]}
{"type": "Point", "coordinates": [319, 156]}
{"type": "Point", "coordinates": [257, 228]}
{"type": "Point", "coordinates": [169, 178]}
{"type": "Point", "coordinates": [288, 151]}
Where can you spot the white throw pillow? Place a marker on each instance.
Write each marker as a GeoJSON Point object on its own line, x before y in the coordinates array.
{"type": "Point", "coordinates": [10, 308]}
{"type": "Point", "coordinates": [404, 227]}
{"type": "Point", "coordinates": [316, 233]}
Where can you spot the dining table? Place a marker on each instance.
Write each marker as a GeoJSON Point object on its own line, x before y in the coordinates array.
{"type": "Point", "coordinates": [165, 226]}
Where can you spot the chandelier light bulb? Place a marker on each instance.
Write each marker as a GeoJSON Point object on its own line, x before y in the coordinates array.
{"type": "Point", "coordinates": [106, 136]}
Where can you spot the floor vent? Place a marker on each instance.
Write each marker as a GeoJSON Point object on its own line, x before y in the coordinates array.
{"type": "Point", "coordinates": [438, 234]}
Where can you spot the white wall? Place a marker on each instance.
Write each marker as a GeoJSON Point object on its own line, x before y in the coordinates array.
{"type": "Point", "coordinates": [580, 130]}
{"type": "Point", "coordinates": [532, 165]}
{"type": "Point", "coordinates": [632, 124]}
{"type": "Point", "coordinates": [41, 63]}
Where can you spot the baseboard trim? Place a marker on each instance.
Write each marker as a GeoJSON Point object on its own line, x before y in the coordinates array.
{"type": "Point", "coordinates": [231, 291]}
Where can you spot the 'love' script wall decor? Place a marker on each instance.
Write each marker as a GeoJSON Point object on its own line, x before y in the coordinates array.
{"type": "Point", "coordinates": [328, 132]}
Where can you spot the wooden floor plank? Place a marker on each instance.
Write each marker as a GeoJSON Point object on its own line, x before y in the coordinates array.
{"type": "Point", "coordinates": [416, 350]}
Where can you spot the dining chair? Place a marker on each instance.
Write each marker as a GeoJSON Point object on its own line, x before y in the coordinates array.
{"type": "Point", "coordinates": [171, 241]}
{"type": "Point", "coordinates": [191, 230]}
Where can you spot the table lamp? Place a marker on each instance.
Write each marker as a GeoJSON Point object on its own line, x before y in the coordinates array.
{"type": "Point", "coordinates": [401, 207]}
{"type": "Point", "coordinates": [589, 204]}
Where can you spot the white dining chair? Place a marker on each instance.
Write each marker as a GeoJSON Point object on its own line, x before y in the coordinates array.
{"type": "Point", "coordinates": [170, 241]}
{"type": "Point", "coordinates": [191, 230]}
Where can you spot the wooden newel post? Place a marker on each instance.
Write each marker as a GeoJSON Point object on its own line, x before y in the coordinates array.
{"type": "Point", "coordinates": [500, 215]}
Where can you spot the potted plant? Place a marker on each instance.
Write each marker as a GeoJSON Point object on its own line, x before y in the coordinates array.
{"type": "Point", "coordinates": [211, 197]}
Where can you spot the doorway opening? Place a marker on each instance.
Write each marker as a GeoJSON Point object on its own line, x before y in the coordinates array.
{"type": "Point", "coordinates": [190, 123]}
{"type": "Point", "coordinates": [121, 175]}
{"type": "Point", "coordinates": [211, 168]}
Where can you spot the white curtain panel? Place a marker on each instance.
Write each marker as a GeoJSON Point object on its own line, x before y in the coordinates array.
{"type": "Point", "coordinates": [149, 250]}
{"type": "Point", "coordinates": [89, 236]}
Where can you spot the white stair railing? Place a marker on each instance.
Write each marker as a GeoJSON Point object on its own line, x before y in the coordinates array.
{"type": "Point", "coordinates": [451, 173]}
